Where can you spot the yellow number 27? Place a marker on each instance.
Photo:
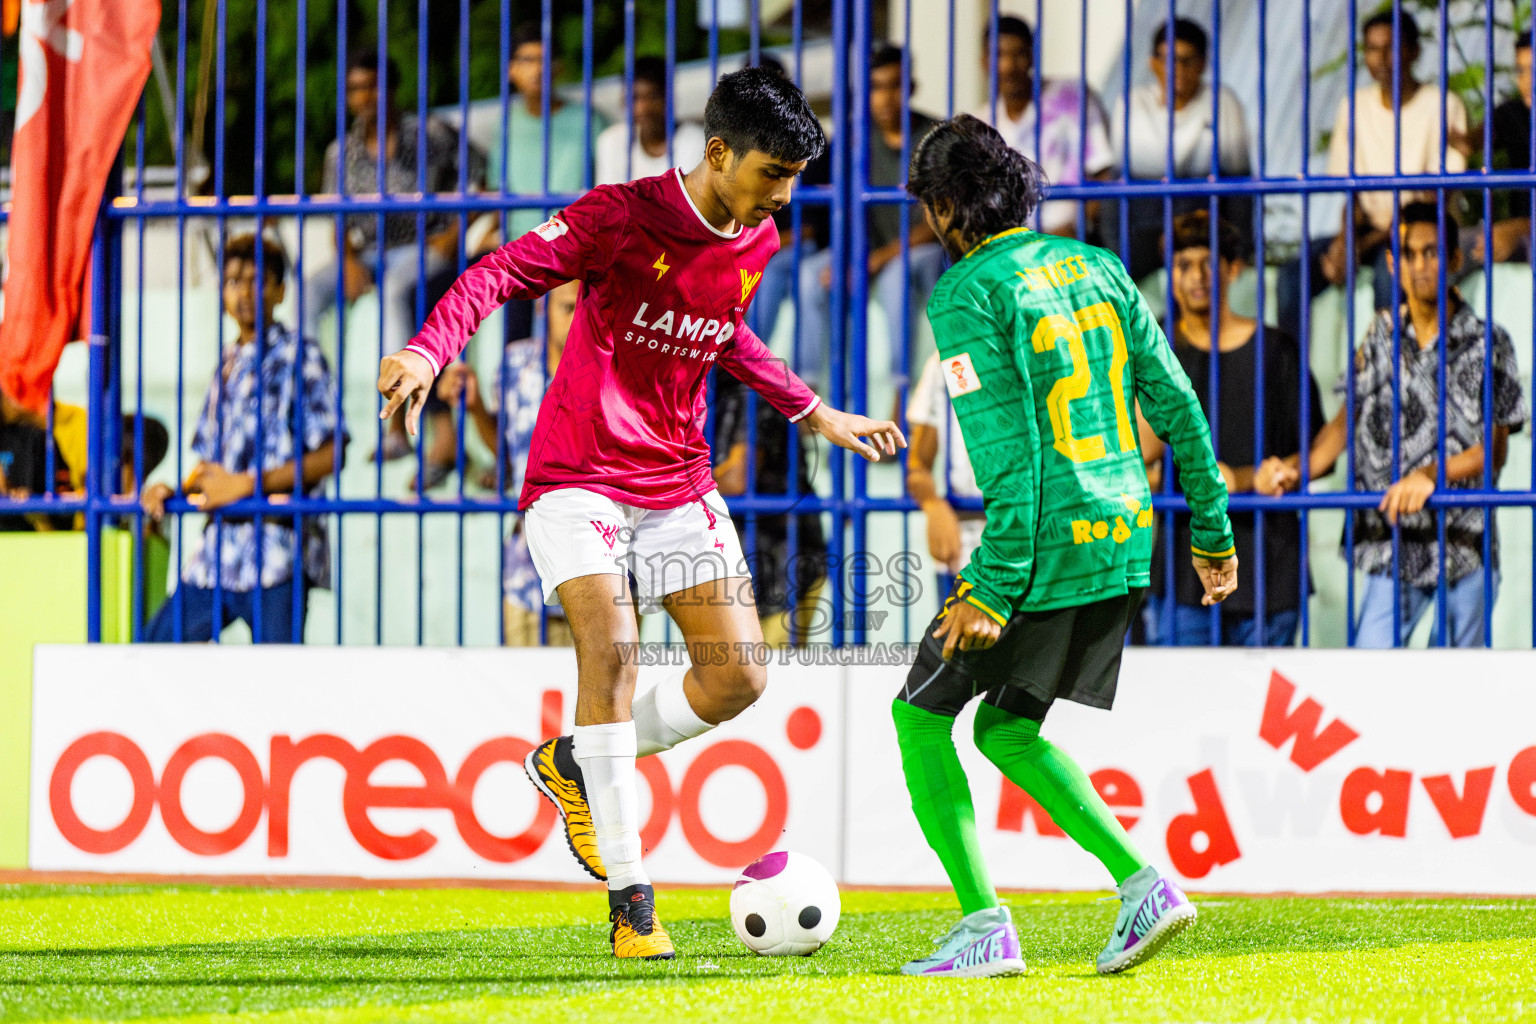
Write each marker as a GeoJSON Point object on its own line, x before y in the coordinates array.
{"type": "Point", "coordinates": [1075, 385]}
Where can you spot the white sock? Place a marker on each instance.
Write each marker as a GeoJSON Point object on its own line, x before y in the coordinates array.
{"type": "Point", "coordinates": [664, 718]}
{"type": "Point", "coordinates": [606, 754]}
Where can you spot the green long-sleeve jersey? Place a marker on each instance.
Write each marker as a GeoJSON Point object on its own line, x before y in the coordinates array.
{"type": "Point", "coordinates": [1047, 348]}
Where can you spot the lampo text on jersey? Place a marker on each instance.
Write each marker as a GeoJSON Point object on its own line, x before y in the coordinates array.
{"type": "Point", "coordinates": [683, 335]}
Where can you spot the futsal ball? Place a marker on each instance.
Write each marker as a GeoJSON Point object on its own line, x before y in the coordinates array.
{"type": "Point", "coordinates": [785, 904]}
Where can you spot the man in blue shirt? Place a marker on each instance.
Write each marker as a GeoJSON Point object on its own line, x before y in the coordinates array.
{"type": "Point", "coordinates": [297, 429]}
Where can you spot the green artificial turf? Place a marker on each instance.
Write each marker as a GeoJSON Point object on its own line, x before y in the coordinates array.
{"type": "Point", "coordinates": [191, 955]}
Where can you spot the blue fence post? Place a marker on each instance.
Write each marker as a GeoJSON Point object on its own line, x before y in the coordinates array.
{"type": "Point", "coordinates": [98, 490]}
{"type": "Point", "coordinates": [837, 385]}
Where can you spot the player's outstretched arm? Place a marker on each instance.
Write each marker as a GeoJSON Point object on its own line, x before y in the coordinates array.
{"type": "Point", "coordinates": [571, 245]}
{"type": "Point", "coordinates": [754, 364]}
{"type": "Point", "coordinates": [847, 430]}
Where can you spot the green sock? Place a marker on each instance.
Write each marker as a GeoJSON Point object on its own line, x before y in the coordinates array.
{"type": "Point", "coordinates": [1058, 785]}
{"type": "Point", "coordinates": [941, 798]}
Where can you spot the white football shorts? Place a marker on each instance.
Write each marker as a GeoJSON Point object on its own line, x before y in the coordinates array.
{"type": "Point", "coordinates": [575, 532]}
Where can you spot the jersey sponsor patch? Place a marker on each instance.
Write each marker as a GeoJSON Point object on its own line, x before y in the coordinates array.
{"type": "Point", "coordinates": [960, 376]}
{"type": "Point", "coordinates": [551, 229]}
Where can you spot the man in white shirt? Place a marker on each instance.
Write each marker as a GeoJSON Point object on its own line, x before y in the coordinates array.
{"type": "Point", "coordinates": [1380, 134]}
{"type": "Point", "coordinates": [626, 152]}
{"type": "Point", "coordinates": [937, 453]}
{"type": "Point", "coordinates": [1073, 143]}
{"type": "Point", "coordinates": [1199, 116]}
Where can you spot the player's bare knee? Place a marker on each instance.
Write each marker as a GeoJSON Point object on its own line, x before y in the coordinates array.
{"type": "Point", "coordinates": [745, 682]}
{"type": "Point", "coordinates": [751, 681]}
{"type": "Point", "coordinates": [733, 687]}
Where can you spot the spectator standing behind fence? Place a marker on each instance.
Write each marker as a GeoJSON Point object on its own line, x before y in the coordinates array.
{"type": "Point", "coordinates": [1194, 126]}
{"type": "Point", "coordinates": [937, 450]}
{"type": "Point", "coordinates": [299, 423]}
{"type": "Point", "coordinates": [894, 290]}
{"type": "Point", "coordinates": [1074, 142]}
{"type": "Point", "coordinates": [527, 366]}
{"type": "Point", "coordinates": [815, 232]}
{"type": "Point", "coordinates": [1511, 152]}
{"type": "Point", "coordinates": [784, 583]}
{"type": "Point", "coordinates": [354, 161]}
{"type": "Point", "coordinates": [523, 148]}
{"type": "Point", "coordinates": [620, 160]}
{"type": "Point", "coordinates": [1270, 471]}
{"type": "Point", "coordinates": [1380, 131]}
{"type": "Point", "coordinates": [1419, 563]}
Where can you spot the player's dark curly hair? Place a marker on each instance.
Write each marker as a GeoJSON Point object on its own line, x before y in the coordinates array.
{"type": "Point", "coordinates": [756, 109]}
{"type": "Point", "coordinates": [965, 164]}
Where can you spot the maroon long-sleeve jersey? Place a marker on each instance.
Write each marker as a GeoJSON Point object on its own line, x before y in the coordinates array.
{"type": "Point", "coordinates": [665, 297]}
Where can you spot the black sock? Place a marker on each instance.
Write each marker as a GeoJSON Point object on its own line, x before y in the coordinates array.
{"type": "Point", "coordinates": [637, 893]}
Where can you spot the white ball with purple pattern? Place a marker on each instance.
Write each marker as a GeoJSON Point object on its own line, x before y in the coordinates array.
{"type": "Point", "coordinates": [785, 904]}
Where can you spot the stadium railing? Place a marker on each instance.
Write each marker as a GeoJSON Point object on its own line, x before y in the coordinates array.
{"type": "Point", "coordinates": [847, 496]}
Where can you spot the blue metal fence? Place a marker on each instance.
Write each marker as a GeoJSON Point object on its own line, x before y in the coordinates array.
{"type": "Point", "coordinates": [858, 516]}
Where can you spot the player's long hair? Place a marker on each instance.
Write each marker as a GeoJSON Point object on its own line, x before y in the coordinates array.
{"type": "Point", "coordinates": [963, 163]}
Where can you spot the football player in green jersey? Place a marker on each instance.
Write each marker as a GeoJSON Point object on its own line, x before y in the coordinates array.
{"type": "Point", "coordinates": [1047, 349]}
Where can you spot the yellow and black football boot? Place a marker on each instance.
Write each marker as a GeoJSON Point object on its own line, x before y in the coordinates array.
{"type": "Point", "coordinates": [551, 766]}
{"type": "Point", "coordinates": [637, 933]}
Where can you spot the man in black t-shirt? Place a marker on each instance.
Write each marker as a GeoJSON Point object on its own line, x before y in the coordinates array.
{"type": "Point", "coordinates": [1206, 322]}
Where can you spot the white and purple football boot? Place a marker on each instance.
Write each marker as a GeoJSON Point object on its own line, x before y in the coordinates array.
{"type": "Point", "coordinates": [982, 945]}
{"type": "Point", "coordinates": [1152, 911]}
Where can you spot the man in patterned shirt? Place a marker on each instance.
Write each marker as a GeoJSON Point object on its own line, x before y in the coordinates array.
{"type": "Point", "coordinates": [255, 393]}
{"type": "Point", "coordinates": [1402, 505]}
{"type": "Point", "coordinates": [527, 367]}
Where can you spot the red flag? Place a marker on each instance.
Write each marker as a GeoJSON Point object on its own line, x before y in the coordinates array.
{"type": "Point", "coordinates": [83, 66]}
